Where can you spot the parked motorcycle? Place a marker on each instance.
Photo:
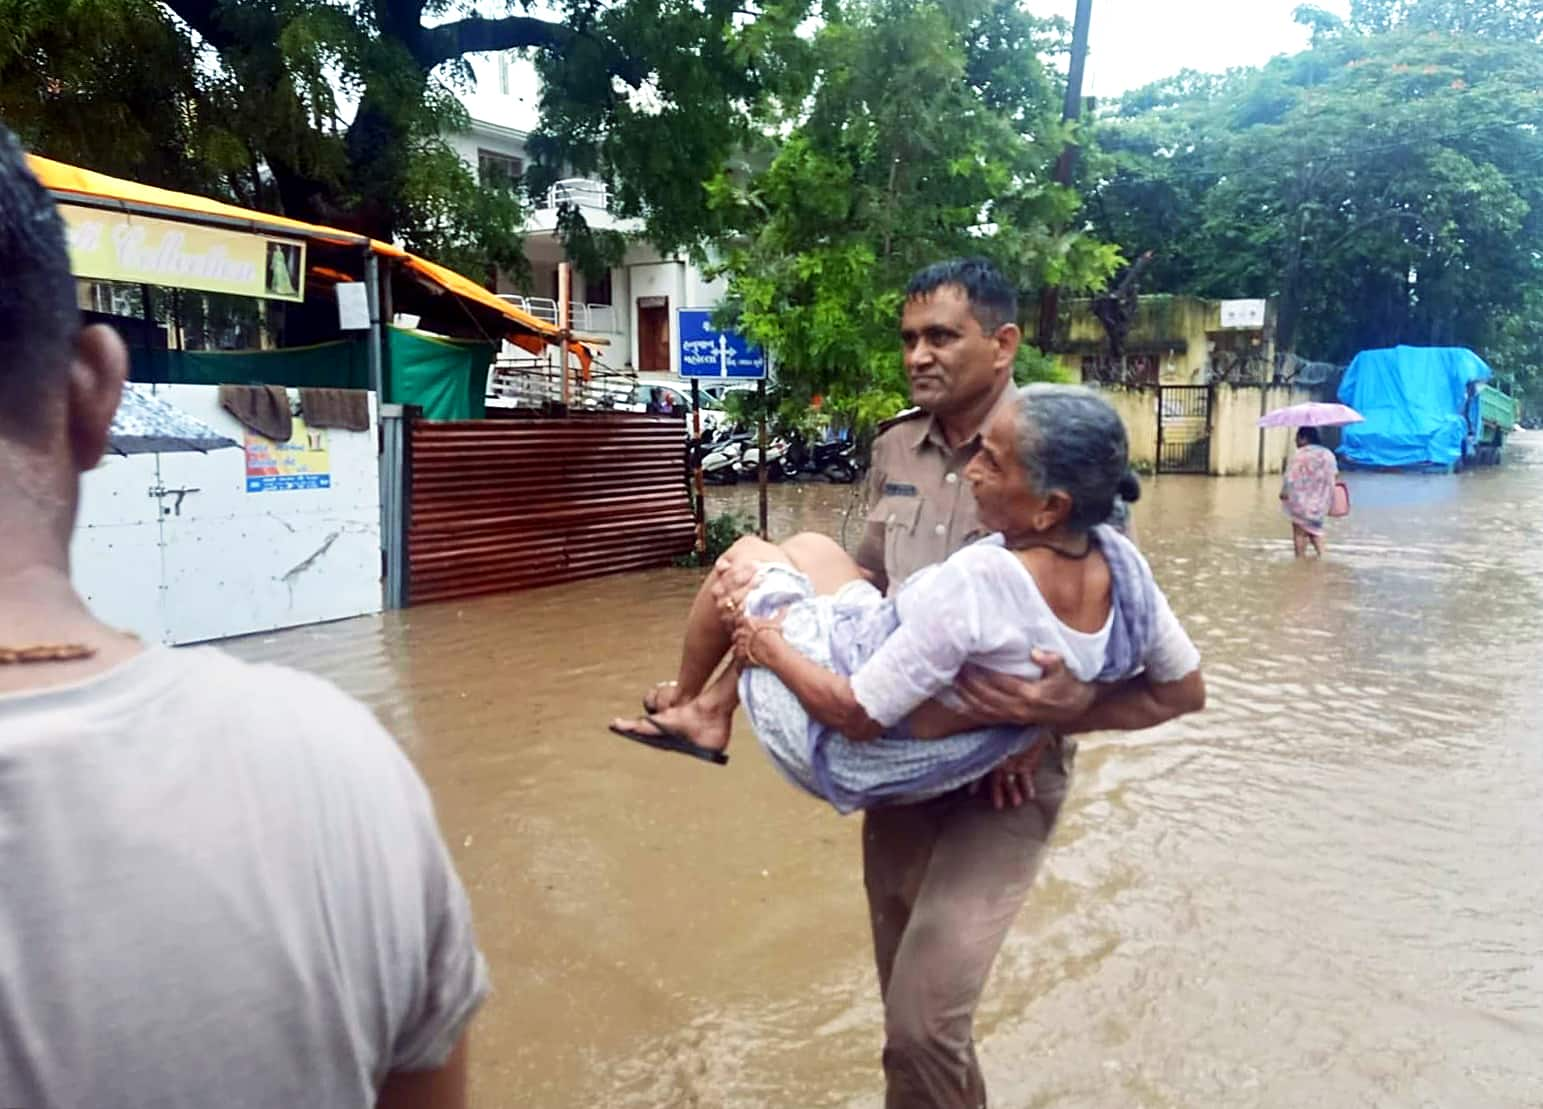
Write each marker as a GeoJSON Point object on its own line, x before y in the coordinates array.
{"type": "Point", "coordinates": [779, 467]}
{"type": "Point", "coordinates": [835, 461]}
{"type": "Point", "coordinates": [719, 455]}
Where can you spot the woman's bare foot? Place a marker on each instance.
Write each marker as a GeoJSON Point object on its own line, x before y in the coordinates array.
{"type": "Point", "coordinates": [701, 724]}
{"type": "Point", "coordinates": [664, 695]}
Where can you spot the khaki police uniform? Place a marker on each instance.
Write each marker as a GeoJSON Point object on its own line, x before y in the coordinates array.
{"type": "Point", "coordinates": [946, 877]}
{"type": "Point", "coordinates": [920, 508]}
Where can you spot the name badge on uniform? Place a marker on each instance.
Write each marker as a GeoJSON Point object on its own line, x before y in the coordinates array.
{"type": "Point", "coordinates": [898, 489]}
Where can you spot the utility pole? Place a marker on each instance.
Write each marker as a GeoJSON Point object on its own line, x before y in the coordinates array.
{"type": "Point", "coordinates": [1071, 109]}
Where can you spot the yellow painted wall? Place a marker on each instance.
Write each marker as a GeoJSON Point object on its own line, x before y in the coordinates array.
{"type": "Point", "coordinates": [1280, 442]}
{"type": "Point", "coordinates": [1163, 325]}
{"type": "Point", "coordinates": [1138, 410]}
{"type": "Point", "coordinates": [1235, 435]}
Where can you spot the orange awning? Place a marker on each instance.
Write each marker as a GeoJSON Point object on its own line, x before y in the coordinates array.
{"type": "Point", "coordinates": [467, 289]}
{"type": "Point", "coordinates": [529, 333]}
{"type": "Point", "coordinates": [61, 178]}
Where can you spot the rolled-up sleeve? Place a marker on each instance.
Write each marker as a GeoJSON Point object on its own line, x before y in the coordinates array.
{"type": "Point", "coordinates": [455, 979]}
{"type": "Point", "coordinates": [1172, 655]}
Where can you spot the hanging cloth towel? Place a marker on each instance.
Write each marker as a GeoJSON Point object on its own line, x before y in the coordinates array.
{"type": "Point", "coordinates": [347, 409]}
{"type": "Point", "coordinates": [261, 408]}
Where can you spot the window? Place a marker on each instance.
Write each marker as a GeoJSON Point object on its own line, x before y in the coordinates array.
{"type": "Point", "coordinates": [498, 171]}
{"type": "Point", "coordinates": [597, 290]}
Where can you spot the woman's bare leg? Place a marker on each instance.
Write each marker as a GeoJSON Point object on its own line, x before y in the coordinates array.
{"type": "Point", "coordinates": [1317, 542]}
{"type": "Point", "coordinates": [1299, 540]}
{"type": "Point", "coordinates": [708, 639]}
{"type": "Point", "coordinates": [706, 720]}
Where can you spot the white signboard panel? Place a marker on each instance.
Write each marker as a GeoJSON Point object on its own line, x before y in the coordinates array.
{"type": "Point", "coordinates": [1247, 314]}
{"type": "Point", "coordinates": [230, 553]}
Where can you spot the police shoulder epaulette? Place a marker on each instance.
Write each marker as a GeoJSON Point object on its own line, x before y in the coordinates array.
{"type": "Point", "coordinates": [900, 418]}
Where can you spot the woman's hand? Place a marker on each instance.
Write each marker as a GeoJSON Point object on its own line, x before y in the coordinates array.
{"type": "Point", "coordinates": [732, 582]}
{"type": "Point", "coordinates": [750, 636]}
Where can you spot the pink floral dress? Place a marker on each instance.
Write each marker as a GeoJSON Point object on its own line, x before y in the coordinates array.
{"type": "Point", "coordinates": [1309, 487]}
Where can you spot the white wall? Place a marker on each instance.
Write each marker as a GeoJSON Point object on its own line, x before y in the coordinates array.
{"type": "Point", "coordinates": [227, 561]}
{"type": "Point", "coordinates": [666, 279]}
{"type": "Point", "coordinates": [519, 108]}
{"type": "Point", "coordinates": [702, 293]}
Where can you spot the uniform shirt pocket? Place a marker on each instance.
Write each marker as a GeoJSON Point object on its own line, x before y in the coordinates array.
{"type": "Point", "coordinates": [897, 515]}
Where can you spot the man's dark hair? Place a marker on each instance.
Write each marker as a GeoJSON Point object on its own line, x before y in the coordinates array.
{"type": "Point", "coordinates": [993, 300]}
{"type": "Point", "coordinates": [38, 314]}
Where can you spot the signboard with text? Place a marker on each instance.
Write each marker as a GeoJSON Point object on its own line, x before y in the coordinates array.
{"type": "Point", "coordinates": [1248, 314]}
{"type": "Point", "coordinates": [141, 250]}
{"type": "Point", "coordinates": [302, 463]}
{"type": "Point", "coordinates": [707, 351]}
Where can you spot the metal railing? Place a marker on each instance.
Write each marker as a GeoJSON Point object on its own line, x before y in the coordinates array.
{"type": "Point", "coordinates": [591, 318]}
{"type": "Point", "coordinates": [534, 382]}
{"type": "Point", "coordinates": [582, 192]}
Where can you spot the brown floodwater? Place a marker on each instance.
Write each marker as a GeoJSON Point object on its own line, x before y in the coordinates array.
{"type": "Point", "coordinates": [1325, 890]}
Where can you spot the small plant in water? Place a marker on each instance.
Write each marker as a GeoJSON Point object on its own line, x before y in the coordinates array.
{"type": "Point", "coordinates": [722, 531]}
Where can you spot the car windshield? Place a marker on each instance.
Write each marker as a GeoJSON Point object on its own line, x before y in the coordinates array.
{"type": "Point", "coordinates": [680, 395]}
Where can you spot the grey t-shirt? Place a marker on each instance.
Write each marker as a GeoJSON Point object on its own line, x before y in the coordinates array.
{"type": "Point", "coordinates": [220, 885]}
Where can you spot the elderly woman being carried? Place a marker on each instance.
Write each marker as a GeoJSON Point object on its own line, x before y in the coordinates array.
{"type": "Point", "coordinates": [849, 691]}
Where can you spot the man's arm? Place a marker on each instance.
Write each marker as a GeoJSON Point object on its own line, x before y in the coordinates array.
{"type": "Point", "coordinates": [1059, 700]}
{"type": "Point", "coordinates": [1141, 703]}
{"type": "Point", "coordinates": [441, 1088]}
{"type": "Point", "coordinates": [870, 556]}
{"type": "Point", "coordinates": [870, 552]}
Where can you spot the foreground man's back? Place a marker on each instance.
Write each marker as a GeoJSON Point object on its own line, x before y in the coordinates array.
{"type": "Point", "coordinates": [220, 885]}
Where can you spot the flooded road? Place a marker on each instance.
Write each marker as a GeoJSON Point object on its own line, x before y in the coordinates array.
{"type": "Point", "coordinates": [1326, 890]}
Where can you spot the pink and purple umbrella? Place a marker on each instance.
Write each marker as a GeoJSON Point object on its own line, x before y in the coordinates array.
{"type": "Point", "coordinates": [1313, 414]}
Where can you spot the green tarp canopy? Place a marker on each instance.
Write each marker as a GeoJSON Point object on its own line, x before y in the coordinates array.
{"type": "Point", "coordinates": [447, 378]}
{"type": "Point", "coordinates": [340, 365]}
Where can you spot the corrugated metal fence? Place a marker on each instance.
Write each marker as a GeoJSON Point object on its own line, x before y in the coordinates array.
{"type": "Point", "coordinates": [497, 505]}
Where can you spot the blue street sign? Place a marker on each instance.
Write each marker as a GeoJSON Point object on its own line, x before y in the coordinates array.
{"type": "Point", "coordinates": [706, 351]}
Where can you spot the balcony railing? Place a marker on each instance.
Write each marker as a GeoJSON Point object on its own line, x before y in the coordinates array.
{"type": "Point", "coordinates": [521, 381]}
{"type": "Point", "coordinates": [593, 318]}
{"type": "Point", "coordinates": [582, 192]}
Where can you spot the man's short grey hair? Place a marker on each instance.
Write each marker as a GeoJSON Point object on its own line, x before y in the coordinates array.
{"type": "Point", "coordinates": [1072, 440]}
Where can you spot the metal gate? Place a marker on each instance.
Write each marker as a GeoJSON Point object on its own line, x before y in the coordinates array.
{"type": "Point", "coordinates": [1184, 429]}
{"type": "Point", "coordinates": [496, 505]}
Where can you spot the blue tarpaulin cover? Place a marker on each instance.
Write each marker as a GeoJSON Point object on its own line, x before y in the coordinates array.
{"type": "Point", "coordinates": [1414, 399]}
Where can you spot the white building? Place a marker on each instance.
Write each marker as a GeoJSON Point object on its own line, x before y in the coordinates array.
{"type": "Point", "coordinates": [634, 308]}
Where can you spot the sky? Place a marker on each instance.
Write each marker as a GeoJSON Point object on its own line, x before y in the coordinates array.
{"type": "Point", "coordinates": [1130, 43]}
{"type": "Point", "coordinates": [1134, 42]}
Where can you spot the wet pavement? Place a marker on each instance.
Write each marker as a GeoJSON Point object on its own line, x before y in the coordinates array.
{"type": "Point", "coordinates": [1328, 889]}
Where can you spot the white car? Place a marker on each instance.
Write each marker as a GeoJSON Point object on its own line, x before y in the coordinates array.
{"type": "Point", "coordinates": [677, 394]}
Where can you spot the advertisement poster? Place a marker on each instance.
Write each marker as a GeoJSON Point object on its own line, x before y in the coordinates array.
{"type": "Point", "coordinates": [141, 250]}
{"type": "Point", "coordinates": [301, 463]}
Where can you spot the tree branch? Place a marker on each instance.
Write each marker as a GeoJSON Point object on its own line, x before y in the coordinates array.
{"type": "Point", "coordinates": [476, 34]}
{"type": "Point", "coordinates": [205, 17]}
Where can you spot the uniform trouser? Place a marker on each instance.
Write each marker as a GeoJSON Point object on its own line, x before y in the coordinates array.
{"type": "Point", "coordinates": [945, 879]}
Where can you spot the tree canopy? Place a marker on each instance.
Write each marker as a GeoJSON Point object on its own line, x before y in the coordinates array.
{"type": "Point", "coordinates": [932, 132]}
{"type": "Point", "coordinates": [338, 110]}
{"type": "Point", "coordinates": [1386, 184]}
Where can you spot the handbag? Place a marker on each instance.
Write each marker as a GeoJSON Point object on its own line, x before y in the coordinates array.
{"type": "Point", "coordinates": [1340, 505]}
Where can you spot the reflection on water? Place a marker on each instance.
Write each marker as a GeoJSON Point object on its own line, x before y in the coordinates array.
{"type": "Point", "coordinates": [1327, 889]}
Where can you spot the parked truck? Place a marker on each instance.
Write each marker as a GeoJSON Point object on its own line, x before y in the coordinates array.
{"type": "Point", "coordinates": [1491, 416]}
{"type": "Point", "coordinates": [1426, 409]}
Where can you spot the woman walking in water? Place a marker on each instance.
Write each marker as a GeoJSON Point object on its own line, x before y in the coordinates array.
{"type": "Point", "coordinates": [849, 691]}
{"type": "Point", "coordinates": [1307, 493]}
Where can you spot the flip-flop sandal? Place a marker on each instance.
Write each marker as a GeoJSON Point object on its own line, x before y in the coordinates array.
{"type": "Point", "coordinates": [651, 702]}
{"type": "Point", "coordinates": [667, 740]}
